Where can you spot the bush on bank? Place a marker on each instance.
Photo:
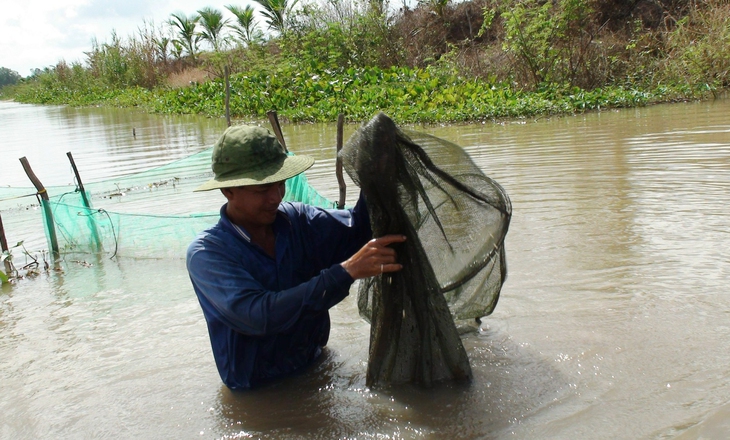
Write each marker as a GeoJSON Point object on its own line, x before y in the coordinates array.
{"type": "Point", "coordinates": [407, 95]}
{"type": "Point", "coordinates": [439, 62]}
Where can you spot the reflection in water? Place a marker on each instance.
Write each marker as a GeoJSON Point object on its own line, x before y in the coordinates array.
{"type": "Point", "coordinates": [613, 322]}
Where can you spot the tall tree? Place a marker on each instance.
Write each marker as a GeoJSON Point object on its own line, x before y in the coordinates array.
{"type": "Point", "coordinates": [187, 37]}
{"type": "Point", "coordinates": [8, 76]}
{"type": "Point", "coordinates": [276, 13]}
{"type": "Point", "coordinates": [212, 21]}
{"type": "Point", "coordinates": [245, 26]}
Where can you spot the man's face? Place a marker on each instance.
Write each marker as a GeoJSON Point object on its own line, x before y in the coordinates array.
{"type": "Point", "coordinates": [255, 205]}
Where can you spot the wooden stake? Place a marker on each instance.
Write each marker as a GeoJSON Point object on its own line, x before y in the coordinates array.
{"type": "Point", "coordinates": [46, 206]}
{"type": "Point", "coordinates": [4, 247]}
{"type": "Point", "coordinates": [274, 120]}
{"type": "Point", "coordinates": [87, 203]}
{"type": "Point", "coordinates": [228, 97]}
{"type": "Point", "coordinates": [78, 180]}
{"type": "Point", "coordinates": [338, 163]}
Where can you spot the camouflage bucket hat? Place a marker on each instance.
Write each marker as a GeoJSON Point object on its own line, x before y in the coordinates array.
{"type": "Point", "coordinates": [247, 155]}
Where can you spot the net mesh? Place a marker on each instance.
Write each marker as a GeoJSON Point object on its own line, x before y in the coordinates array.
{"type": "Point", "coordinates": [455, 219]}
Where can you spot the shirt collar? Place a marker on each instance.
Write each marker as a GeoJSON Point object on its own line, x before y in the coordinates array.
{"type": "Point", "coordinates": [279, 223]}
{"type": "Point", "coordinates": [241, 232]}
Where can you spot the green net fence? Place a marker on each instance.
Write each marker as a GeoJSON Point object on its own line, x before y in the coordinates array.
{"type": "Point", "coordinates": [148, 214]}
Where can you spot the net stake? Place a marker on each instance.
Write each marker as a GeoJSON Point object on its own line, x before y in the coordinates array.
{"type": "Point", "coordinates": [228, 96]}
{"type": "Point", "coordinates": [274, 120]}
{"type": "Point", "coordinates": [46, 206]}
{"type": "Point", "coordinates": [338, 163]}
{"type": "Point", "coordinates": [87, 203]}
{"type": "Point", "coordinates": [4, 247]}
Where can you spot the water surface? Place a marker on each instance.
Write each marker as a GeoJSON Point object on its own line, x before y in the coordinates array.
{"type": "Point", "coordinates": [614, 321]}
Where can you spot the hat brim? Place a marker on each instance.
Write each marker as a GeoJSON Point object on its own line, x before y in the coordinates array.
{"type": "Point", "coordinates": [276, 172]}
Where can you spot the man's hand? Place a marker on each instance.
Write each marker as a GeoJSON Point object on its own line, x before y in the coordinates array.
{"type": "Point", "coordinates": [374, 258]}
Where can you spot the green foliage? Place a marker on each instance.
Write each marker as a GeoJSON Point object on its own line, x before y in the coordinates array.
{"type": "Point", "coordinates": [701, 58]}
{"type": "Point", "coordinates": [245, 25]}
{"type": "Point", "coordinates": [131, 63]}
{"type": "Point", "coordinates": [326, 48]}
{"type": "Point", "coordinates": [345, 56]}
{"type": "Point", "coordinates": [408, 95]}
{"type": "Point", "coordinates": [187, 38]}
{"type": "Point", "coordinates": [162, 46]}
{"type": "Point", "coordinates": [337, 38]}
{"type": "Point", "coordinates": [376, 43]}
{"type": "Point", "coordinates": [212, 21]}
{"type": "Point", "coordinates": [277, 13]}
{"type": "Point", "coordinates": [488, 15]}
{"type": "Point", "coordinates": [544, 37]}
{"type": "Point", "coordinates": [75, 85]}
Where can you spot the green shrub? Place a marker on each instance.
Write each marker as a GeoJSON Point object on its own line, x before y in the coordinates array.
{"type": "Point", "coordinates": [549, 41]}
{"type": "Point", "coordinates": [698, 49]}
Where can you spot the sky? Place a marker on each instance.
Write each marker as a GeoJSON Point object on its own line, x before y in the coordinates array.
{"type": "Point", "coordinates": [40, 33]}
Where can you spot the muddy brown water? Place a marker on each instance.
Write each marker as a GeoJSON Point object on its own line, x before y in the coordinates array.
{"type": "Point", "coordinates": [614, 321]}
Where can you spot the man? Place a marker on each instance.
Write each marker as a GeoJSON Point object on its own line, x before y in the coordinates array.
{"type": "Point", "coordinates": [268, 272]}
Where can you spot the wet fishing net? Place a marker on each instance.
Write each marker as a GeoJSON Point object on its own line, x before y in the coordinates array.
{"type": "Point", "coordinates": [455, 219]}
{"type": "Point", "coordinates": [141, 215]}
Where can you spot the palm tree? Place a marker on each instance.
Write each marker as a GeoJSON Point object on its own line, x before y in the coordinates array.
{"type": "Point", "coordinates": [276, 12]}
{"type": "Point", "coordinates": [186, 31]}
{"type": "Point", "coordinates": [177, 49]}
{"type": "Point", "coordinates": [245, 25]}
{"type": "Point", "coordinates": [213, 23]}
{"type": "Point", "coordinates": [162, 45]}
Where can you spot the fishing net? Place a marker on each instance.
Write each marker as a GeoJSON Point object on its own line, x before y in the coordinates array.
{"type": "Point", "coordinates": [455, 219]}
{"type": "Point", "coordinates": [141, 215]}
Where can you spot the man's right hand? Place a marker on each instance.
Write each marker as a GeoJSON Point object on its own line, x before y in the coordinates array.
{"type": "Point", "coordinates": [374, 258]}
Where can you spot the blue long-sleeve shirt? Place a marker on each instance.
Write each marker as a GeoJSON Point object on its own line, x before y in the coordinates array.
{"type": "Point", "coordinates": [268, 316]}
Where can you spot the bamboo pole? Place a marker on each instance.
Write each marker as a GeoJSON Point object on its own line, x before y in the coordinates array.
{"type": "Point", "coordinates": [338, 163]}
{"type": "Point", "coordinates": [274, 120]}
{"type": "Point", "coordinates": [4, 247]}
{"type": "Point", "coordinates": [87, 203]}
{"type": "Point", "coordinates": [46, 206]}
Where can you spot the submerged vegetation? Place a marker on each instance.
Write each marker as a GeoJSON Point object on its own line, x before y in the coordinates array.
{"type": "Point", "coordinates": [11, 274]}
{"type": "Point", "coordinates": [439, 61]}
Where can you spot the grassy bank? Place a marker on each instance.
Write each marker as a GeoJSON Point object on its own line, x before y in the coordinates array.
{"type": "Point", "coordinates": [438, 62]}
